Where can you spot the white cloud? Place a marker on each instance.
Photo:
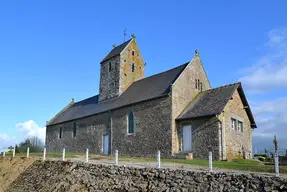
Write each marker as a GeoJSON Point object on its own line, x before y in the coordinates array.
{"type": "Point", "coordinates": [269, 71]}
{"type": "Point", "coordinates": [271, 119]}
{"type": "Point", "coordinates": [6, 141]}
{"type": "Point", "coordinates": [31, 129]}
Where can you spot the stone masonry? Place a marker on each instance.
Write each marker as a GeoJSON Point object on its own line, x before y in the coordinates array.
{"type": "Point", "coordinates": [72, 177]}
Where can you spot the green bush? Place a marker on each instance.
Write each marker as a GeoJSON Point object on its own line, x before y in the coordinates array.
{"type": "Point", "coordinates": [261, 155]}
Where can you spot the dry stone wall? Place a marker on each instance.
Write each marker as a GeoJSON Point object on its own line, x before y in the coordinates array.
{"type": "Point", "coordinates": [69, 176]}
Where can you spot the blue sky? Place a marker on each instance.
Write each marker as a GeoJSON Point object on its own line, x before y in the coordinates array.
{"type": "Point", "coordinates": [50, 52]}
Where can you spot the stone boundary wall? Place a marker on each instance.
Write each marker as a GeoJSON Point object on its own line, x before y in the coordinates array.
{"type": "Point", "coordinates": [71, 176]}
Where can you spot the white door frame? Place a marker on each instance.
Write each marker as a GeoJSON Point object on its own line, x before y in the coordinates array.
{"type": "Point", "coordinates": [187, 138]}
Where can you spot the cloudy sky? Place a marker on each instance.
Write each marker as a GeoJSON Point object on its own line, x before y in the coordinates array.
{"type": "Point", "coordinates": [50, 53]}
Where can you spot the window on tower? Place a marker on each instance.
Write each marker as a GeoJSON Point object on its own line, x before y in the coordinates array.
{"type": "Point", "coordinates": [133, 53]}
{"type": "Point", "coordinates": [110, 66]}
{"type": "Point", "coordinates": [133, 67]}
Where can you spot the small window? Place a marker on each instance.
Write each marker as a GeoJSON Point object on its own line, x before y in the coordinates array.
{"type": "Point", "coordinates": [200, 86]}
{"type": "Point", "coordinates": [233, 123]}
{"type": "Point", "coordinates": [133, 53]}
{"type": "Point", "coordinates": [131, 123]}
{"type": "Point", "coordinates": [75, 130]}
{"type": "Point", "coordinates": [240, 126]}
{"type": "Point", "coordinates": [110, 66]}
{"type": "Point", "coordinates": [195, 83]}
{"type": "Point", "coordinates": [133, 67]}
{"type": "Point", "coordinates": [60, 133]}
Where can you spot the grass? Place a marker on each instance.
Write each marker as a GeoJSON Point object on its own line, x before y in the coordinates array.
{"type": "Point", "coordinates": [237, 164]}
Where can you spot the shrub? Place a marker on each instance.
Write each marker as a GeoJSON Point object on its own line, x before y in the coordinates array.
{"type": "Point", "coordinates": [261, 155]}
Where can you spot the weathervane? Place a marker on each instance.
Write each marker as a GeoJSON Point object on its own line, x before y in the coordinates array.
{"type": "Point", "coordinates": [125, 35]}
{"type": "Point", "coordinates": [133, 36]}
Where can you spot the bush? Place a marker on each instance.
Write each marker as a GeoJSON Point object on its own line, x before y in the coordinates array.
{"type": "Point", "coordinates": [261, 155]}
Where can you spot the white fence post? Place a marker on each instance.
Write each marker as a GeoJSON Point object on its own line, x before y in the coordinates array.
{"type": "Point", "coordinates": [158, 159]}
{"type": "Point", "coordinates": [3, 153]}
{"type": "Point", "coordinates": [117, 158]}
{"type": "Point", "coordinates": [276, 164]}
{"type": "Point", "coordinates": [28, 151]}
{"type": "Point", "coordinates": [44, 155]}
{"type": "Point", "coordinates": [64, 151]}
{"type": "Point", "coordinates": [210, 161]}
{"type": "Point", "coordinates": [87, 155]}
{"type": "Point", "coordinates": [14, 151]}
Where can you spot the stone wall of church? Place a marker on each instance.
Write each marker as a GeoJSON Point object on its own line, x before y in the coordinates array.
{"type": "Point", "coordinates": [205, 136]}
{"type": "Point", "coordinates": [152, 128]}
{"type": "Point", "coordinates": [238, 144]}
{"type": "Point", "coordinates": [90, 131]}
{"type": "Point", "coordinates": [184, 91]}
{"type": "Point", "coordinates": [152, 131]}
{"type": "Point", "coordinates": [109, 80]}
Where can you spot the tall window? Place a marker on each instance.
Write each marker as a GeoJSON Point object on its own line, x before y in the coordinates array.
{"type": "Point", "coordinates": [239, 126]}
{"type": "Point", "coordinates": [131, 129]}
{"type": "Point", "coordinates": [233, 123]}
{"type": "Point", "coordinates": [200, 86]}
{"type": "Point", "coordinates": [195, 83]}
{"type": "Point", "coordinates": [133, 53]}
{"type": "Point", "coordinates": [60, 132]}
{"type": "Point", "coordinates": [110, 66]}
{"type": "Point", "coordinates": [133, 67]}
{"type": "Point", "coordinates": [75, 127]}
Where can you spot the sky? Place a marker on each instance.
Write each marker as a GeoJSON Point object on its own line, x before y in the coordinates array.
{"type": "Point", "coordinates": [50, 52]}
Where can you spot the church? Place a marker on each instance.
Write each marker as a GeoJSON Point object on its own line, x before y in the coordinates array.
{"type": "Point", "coordinates": [176, 112]}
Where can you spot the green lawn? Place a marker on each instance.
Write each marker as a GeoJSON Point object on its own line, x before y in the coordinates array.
{"type": "Point", "coordinates": [238, 164]}
{"type": "Point", "coordinates": [244, 165]}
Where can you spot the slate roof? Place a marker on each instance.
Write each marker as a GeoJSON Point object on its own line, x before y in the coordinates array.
{"type": "Point", "coordinates": [117, 50]}
{"type": "Point", "coordinates": [145, 89]}
{"type": "Point", "coordinates": [213, 101]}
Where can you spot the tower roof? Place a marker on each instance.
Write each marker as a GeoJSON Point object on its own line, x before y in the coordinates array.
{"type": "Point", "coordinates": [116, 51]}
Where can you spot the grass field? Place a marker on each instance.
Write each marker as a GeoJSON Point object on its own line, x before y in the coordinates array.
{"type": "Point", "coordinates": [239, 164]}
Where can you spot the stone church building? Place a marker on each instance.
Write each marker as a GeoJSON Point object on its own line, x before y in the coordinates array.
{"type": "Point", "coordinates": [176, 111]}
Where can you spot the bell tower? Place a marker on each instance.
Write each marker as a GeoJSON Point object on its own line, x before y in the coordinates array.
{"type": "Point", "coordinates": [120, 68]}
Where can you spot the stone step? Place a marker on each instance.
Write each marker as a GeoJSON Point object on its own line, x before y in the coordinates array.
{"type": "Point", "coordinates": [183, 155]}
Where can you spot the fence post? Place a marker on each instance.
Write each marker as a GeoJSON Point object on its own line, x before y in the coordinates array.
{"type": "Point", "coordinates": [117, 158]}
{"type": "Point", "coordinates": [210, 161]}
{"type": "Point", "coordinates": [28, 151]}
{"type": "Point", "coordinates": [64, 151]}
{"type": "Point", "coordinates": [87, 155]}
{"type": "Point", "coordinates": [276, 164]}
{"type": "Point", "coordinates": [158, 159]}
{"type": "Point", "coordinates": [44, 155]}
{"type": "Point", "coordinates": [14, 152]}
{"type": "Point", "coordinates": [3, 153]}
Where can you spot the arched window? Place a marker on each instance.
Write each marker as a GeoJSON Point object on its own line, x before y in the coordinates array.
{"type": "Point", "coordinates": [131, 124]}
{"type": "Point", "coordinates": [133, 67]}
{"type": "Point", "coordinates": [75, 129]}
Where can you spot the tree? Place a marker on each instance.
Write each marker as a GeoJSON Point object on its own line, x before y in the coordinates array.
{"type": "Point", "coordinates": [17, 149]}
{"type": "Point", "coordinates": [33, 143]}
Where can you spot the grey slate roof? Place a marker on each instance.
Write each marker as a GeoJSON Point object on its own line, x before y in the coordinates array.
{"type": "Point", "coordinates": [116, 51]}
{"type": "Point", "coordinates": [145, 89]}
{"type": "Point", "coordinates": [213, 101]}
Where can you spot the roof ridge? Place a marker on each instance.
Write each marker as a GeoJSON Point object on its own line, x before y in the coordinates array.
{"type": "Point", "coordinates": [223, 86]}
{"type": "Point", "coordinates": [161, 72]}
